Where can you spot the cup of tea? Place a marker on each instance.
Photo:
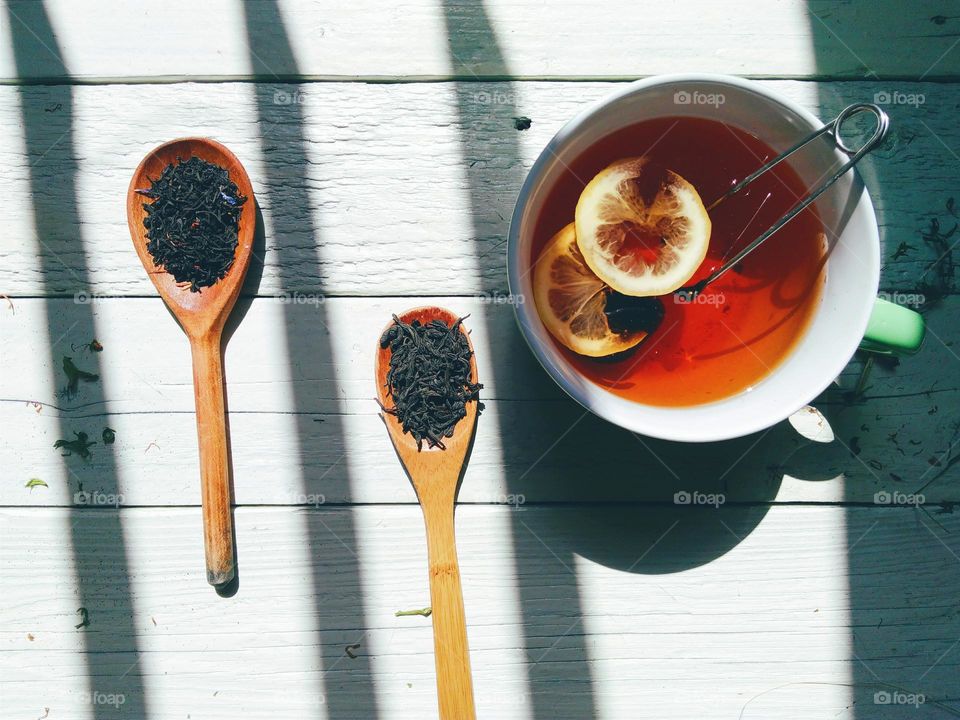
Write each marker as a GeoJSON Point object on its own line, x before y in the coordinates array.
{"type": "Point", "coordinates": [763, 339]}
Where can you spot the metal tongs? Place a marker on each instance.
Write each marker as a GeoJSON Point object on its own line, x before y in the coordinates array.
{"type": "Point", "coordinates": [832, 128]}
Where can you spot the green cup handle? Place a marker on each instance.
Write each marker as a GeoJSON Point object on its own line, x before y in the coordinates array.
{"type": "Point", "coordinates": [893, 329]}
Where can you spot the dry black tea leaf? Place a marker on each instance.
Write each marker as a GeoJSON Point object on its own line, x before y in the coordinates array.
{"type": "Point", "coordinates": [80, 446]}
{"type": "Point", "coordinates": [193, 222]}
{"type": "Point", "coordinates": [429, 378]}
{"type": "Point", "coordinates": [75, 375]}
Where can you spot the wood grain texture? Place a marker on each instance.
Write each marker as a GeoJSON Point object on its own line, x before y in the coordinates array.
{"type": "Point", "coordinates": [576, 612]}
{"type": "Point", "coordinates": [213, 449]}
{"type": "Point", "coordinates": [593, 590]}
{"type": "Point", "coordinates": [305, 429]}
{"type": "Point", "coordinates": [463, 39]}
{"type": "Point", "coordinates": [435, 474]}
{"type": "Point", "coordinates": [202, 316]}
{"type": "Point", "coordinates": [389, 174]}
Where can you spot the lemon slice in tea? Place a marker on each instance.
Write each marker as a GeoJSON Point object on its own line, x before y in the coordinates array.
{"type": "Point", "coordinates": [580, 310]}
{"type": "Point", "coordinates": [642, 228]}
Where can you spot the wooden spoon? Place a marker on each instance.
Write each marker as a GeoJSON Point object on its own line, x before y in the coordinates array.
{"type": "Point", "coordinates": [202, 316]}
{"type": "Point", "coordinates": [435, 475]}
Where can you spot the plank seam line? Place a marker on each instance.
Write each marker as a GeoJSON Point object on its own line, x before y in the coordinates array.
{"type": "Point", "coordinates": [70, 80]}
{"type": "Point", "coordinates": [483, 294]}
{"type": "Point", "coordinates": [71, 414]}
{"type": "Point", "coordinates": [945, 505]}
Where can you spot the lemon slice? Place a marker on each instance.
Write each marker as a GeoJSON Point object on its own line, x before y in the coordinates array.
{"type": "Point", "coordinates": [577, 307]}
{"type": "Point", "coordinates": [641, 228]}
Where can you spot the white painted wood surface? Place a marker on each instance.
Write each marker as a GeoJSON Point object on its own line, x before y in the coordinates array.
{"type": "Point", "coordinates": [304, 424]}
{"type": "Point", "coordinates": [573, 612]}
{"type": "Point", "coordinates": [359, 181]}
{"type": "Point", "coordinates": [419, 39]}
{"type": "Point", "coordinates": [590, 593]}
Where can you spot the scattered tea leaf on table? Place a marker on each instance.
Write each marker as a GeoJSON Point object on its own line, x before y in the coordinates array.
{"type": "Point", "coordinates": [75, 375]}
{"type": "Point", "coordinates": [425, 612]}
{"type": "Point", "coordinates": [84, 618]}
{"type": "Point", "coordinates": [80, 446]}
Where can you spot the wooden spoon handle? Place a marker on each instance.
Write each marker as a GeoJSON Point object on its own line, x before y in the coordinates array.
{"type": "Point", "coordinates": [454, 682]}
{"type": "Point", "coordinates": [214, 463]}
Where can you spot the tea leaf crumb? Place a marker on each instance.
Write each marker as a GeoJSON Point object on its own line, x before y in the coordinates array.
{"type": "Point", "coordinates": [425, 612]}
{"type": "Point", "coordinates": [84, 618]}
{"type": "Point", "coordinates": [75, 375]}
{"type": "Point", "coordinates": [902, 249]}
{"type": "Point", "coordinates": [80, 446]}
{"type": "Point", "coordinates": [855, 445]}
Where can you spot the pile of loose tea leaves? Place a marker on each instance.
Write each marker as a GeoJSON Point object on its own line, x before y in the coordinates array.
{"type": "Point", "coordinates": [429, 378]}
{"type": "Point", "coordinates": [193, 221]}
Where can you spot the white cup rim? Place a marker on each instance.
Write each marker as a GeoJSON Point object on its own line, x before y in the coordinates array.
{"type": "Point", "coordinates": [638, 417]}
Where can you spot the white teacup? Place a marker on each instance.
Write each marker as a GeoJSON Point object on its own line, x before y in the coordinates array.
{"type": "Point", "coordinates": [848, 302]}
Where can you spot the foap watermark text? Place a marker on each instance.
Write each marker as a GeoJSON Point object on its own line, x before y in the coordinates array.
{"type": "Point", "coordinates": [897, 697]}
{"type": "Point", "coordinates": [885, 497]}
{"type": "Point", "coordinates": [695, 497]}
{"type": "Point", "coordinates": [115, 700]}
{"type": "Point", "coordinates": [299, 298]}
{"type": "Point", "coordinates": [495, 97]}
{"type": "Point", "coordinates": [315, 499]}
{"type": "Point", "coordinates": [895, 97]}
{"type": "Point", "coordinates": [684, 97]}
{"type": "Point", "coordinates": [902, 298]}
{"type": "Point", "coordinates": [97, 498]}
{"type": "Point", "coordinates": [705, 298]}
{"type": "Point", "coordinates": [501, 299]}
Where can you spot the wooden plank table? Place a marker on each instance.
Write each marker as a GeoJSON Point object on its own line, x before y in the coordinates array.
{"type": "Point", "coordinates": [380, 140]}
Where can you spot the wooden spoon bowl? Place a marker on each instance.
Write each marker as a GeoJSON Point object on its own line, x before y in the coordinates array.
{"type": "Point", "coordinates": [456, 445]}
{"type": "Point", "coordinates": [202, 315]}
{"type": "Point", "coordinates": [195, 310]}
{"type": "Point", "coordinates": [435, 474]}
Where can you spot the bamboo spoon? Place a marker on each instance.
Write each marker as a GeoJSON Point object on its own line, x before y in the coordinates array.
{"type": "Point", "coordinates": [202, 316]}
{"type": "Point", "coordinates": [435, 475]}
